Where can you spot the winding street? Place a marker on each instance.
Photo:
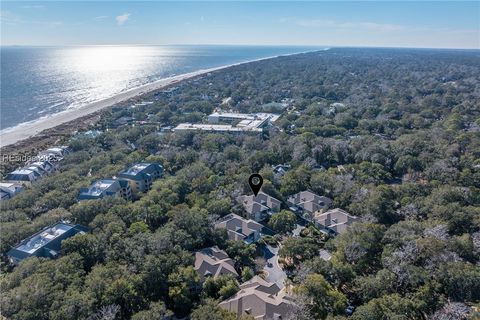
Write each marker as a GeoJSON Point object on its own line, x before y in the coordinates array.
{"type": "Point", "coordinates": [272, 268]}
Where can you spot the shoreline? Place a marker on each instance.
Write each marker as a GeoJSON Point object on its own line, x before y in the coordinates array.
{"type": "Point", "coordinates": [27, 130]}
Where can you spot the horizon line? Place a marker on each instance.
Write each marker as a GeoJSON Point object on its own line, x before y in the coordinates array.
{"type": "Point", "coordinates": [240, 45]}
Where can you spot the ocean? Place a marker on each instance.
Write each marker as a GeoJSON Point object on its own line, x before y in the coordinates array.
{"type": "Point", "coordinates": [40, 81]}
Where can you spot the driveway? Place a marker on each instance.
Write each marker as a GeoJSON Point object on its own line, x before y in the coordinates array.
{"type": "Point", "coordinates": [272, 268]}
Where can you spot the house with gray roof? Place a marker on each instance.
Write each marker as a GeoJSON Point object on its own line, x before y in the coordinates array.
{"type": "Point", "coordinates": [213, 262]}
{"type": "Point", "coordinates": [259, 299]}
{"type": "Point", "coordinates": [334, 221]}
{"type": "Point", "coordinates": [54, 154]}
{"type": "Point", "coordinates": [307, 203]}
{"type": "Point", "coordinates": [45, 243]}
{"type": "Point", "coordinates": [240, 229]}
{"type": "Point", "coordinates": [280, 170]}
{"type": "Point", "coordinates": [259, 207]}
{"type": "Point", "coordinates": [45, 166]}
{"type": "Point", "coordinates": [9, 189]}
{"type": "Point", "coordinates": [25, 177]}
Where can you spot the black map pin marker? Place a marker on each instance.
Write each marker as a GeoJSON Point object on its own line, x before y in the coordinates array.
{"type": "Point", "coordinates": [255, 181]}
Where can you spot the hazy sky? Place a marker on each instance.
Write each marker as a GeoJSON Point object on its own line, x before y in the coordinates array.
{"type": "Point", "coordinates": [447, 24]}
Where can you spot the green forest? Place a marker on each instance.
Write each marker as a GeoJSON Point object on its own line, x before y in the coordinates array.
{"type": "Point", "coordinates": [390, 135]}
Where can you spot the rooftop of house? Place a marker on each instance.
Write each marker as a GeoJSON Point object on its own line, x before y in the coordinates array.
{"type": "Point", "coordinates": [281, 168]}
{"type": "Point", "coordinates": [60, 149]}
{"type": "Point", "coordinates": [305, 196]}
{"type": "Point", "coordinates": [238, 228]}
{"type": "Point", "coordinates": [42, 164]}
{"type": "Point", "coordinates": [335, 219]}
{"type": "Point", "coordinates": [136, 168]}
{"type": "Point", "coordinates": [98, 187]}
{"type": "Point", "coordinates": [10, 185]}
{"type": "Point", "coordinates": [261, 201]}
{"type": "Point", "coordinates": [45, 236]}
{"type": "Point", "coordinates": [22, 171]}
{"type": "Point", "coordinates": [309, 201]}
{"type": "Point", "coordinates": [260, 299]}
{"type": "Point", "coordinates": [214, 262]}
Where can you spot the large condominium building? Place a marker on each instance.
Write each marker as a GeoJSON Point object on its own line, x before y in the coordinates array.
{"type": "Point", "coordinates": [141, 176]}
{"type": "Point", "coordinates": [237, 122]}
{"type": "Point", "coordinates": [46, 243]}
{"type": "Point", "coordinates": [104, 188]}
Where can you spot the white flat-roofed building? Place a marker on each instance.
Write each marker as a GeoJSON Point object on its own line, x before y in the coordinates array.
{"type": "Point", "coordinates": [214, 128]}
{"type": "Point", "coordinates": [237, 122]}
{"type": "Point", "coordinates": [46, 243]}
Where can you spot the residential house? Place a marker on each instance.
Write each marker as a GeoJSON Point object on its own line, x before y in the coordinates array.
{"type": "Point", "coordinates": [335, 221]}
{"type": "Point", "coordinates": [39, 172]}
{"type": "Point", "coordinates": [23, 176]}
{"type": "Point", "coordinates": [54, 154]}
{"type": "Point", "coordinates": [213, 262]}
{"type": "Point", "coordinates": [280, 170]}
{"type": "Point", "coordinates": [259, 299]}
{"type": "Point", "coordinates": [9, 189]}
{"type": "Point", "coordinates": [259, 207]}
{"type": "Point", "coordinates": [141, 175]}
{"type": "Point", "coordinates": [46, 243]}
{"type": "Point", "coordinates": [240, 229]}
{"type": "Point", "coordinates": [45, 166]}
{"type": "Point", "coordinates": [104, 188]}
{"type": "Point", "coordinates": [307, 203]}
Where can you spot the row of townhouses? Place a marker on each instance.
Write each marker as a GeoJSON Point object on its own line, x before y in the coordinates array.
{"type": "Point", "coordinates": [42, 165]}
{"type": "Point", "coordinates": [308, 205]}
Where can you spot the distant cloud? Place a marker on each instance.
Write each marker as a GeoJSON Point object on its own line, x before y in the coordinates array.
{"type": "Point", "coordinates": [101, 17]}
{"type": "Point", "coordinates": [122, 18]}
{"type": "Point", "coordinates": [325, 23]}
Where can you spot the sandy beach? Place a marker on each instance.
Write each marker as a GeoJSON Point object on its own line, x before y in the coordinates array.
{"type": "Point", "coordinates": [27, 130]}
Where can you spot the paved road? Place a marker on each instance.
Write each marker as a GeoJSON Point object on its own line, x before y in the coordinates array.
{"type": "Point", "coordinates": [275, 273]}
